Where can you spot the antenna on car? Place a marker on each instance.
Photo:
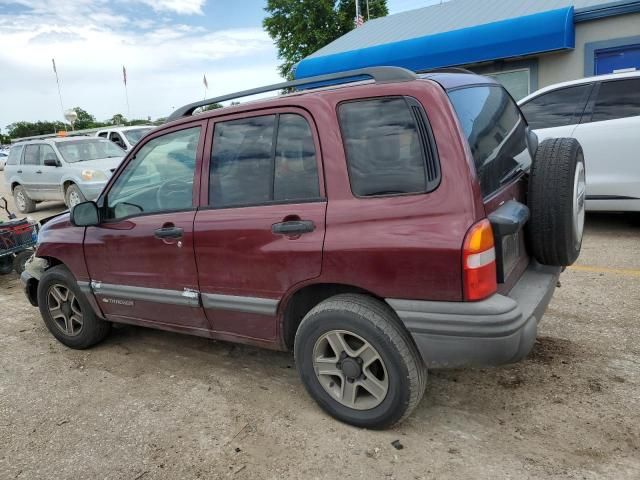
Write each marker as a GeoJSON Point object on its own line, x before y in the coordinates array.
{"type": "Point", "coordinates": [377, 74]}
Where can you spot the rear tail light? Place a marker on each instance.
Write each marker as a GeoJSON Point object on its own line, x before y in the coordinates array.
{"type": "Point", "coordinates": [479, 262]}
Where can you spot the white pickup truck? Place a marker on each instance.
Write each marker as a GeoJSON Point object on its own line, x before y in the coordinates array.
{"type": "Point", "coordinates": [125, 137]}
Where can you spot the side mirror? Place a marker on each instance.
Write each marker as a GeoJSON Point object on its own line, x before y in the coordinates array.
{"type": "Point", "coordinates": [85, 214]}
{"type": "Point", "coordinates": [51, 162]}
{"type": "Point", "coordinates": [532, 140]}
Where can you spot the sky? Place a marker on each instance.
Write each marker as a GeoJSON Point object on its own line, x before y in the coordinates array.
{"type": "Point", "coordinates": [167, 47]}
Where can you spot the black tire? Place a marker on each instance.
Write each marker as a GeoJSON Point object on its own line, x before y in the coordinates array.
{"type": "Point", "coordinates": [20, 260]}
{"type": "Point", "coordinates": [93, 329]}
{"type": "Point", "coordinates": [6, 264]}
{"type": "Point", "coordinates": [377, 324]}
{"type": "Point", "coordinates": [555, 238]}
{"type": "Point", "coordinates": [70, 193]}
{"type": "Point", "coordinates": [23, 203]}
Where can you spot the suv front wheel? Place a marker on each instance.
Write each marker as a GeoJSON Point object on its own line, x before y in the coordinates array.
{"type": "Point", "coordinates": [358, 362]}
{"type": "Point", "coordinates": [66, 311]}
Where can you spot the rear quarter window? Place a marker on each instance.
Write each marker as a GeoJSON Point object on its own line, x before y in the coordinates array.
{"type": "Point", "coordinates": [388, 147]}
{"type": "Point", "coordinates": [496, 132]}
{"type": "Point", "coordinates": [14, 155]}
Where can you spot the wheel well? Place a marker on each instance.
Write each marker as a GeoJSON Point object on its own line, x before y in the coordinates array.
{"type": "Point", "coordinates": [66, 185]}
{"type": "Point", "coordinates": [13, 186]}
{"type": "Point", "coordinates": [305, 299]}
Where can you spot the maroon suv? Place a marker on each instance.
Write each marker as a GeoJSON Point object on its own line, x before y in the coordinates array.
{"type": "Point", "coordinates": [376, 222]}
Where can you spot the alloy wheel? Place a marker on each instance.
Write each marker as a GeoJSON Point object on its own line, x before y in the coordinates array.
{"type": "Point", "coordinates": [579, 190]}
{"type": "Point", "coordinates": [350, 369]}
{"type": "Point", "coordinates": [65, 310]}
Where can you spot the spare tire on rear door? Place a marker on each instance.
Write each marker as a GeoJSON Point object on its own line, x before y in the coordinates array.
{"type": "Point", "coordinates": [557, 202]}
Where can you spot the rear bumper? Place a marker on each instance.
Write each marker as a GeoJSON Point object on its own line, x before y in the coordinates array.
{"type": "Point", "coordinates": [498, 330]}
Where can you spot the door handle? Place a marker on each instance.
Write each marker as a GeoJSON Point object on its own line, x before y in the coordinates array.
{"type": "Point", "coordinates": [38, 171]}
{"type": "Point", "coordinates": [168, 232]}
{"type": "Point", "coordinates": [293, 227]}
{"type": "Point", "coordinates": [19, 171]}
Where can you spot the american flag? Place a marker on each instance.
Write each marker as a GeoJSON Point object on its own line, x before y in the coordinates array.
{"type": "Point", "coordinates": [358, 21]}
{"type": "Point", "coordinates": [124, 75]}
{"type": "Point", "coordinates": [204, 80]}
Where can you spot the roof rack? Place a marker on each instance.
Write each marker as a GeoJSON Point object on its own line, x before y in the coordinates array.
{"type": "Point", "coordinates": [378, 74]}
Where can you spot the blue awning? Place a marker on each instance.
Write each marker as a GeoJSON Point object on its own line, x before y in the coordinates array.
{"type": "Point", "coordinates": [515, 37]}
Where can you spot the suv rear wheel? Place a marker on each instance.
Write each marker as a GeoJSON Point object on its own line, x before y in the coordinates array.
{"type": "Point", "coordinates": [358, 363]}
{"type": "Point", "coordinates": [24, 204]}
{"type": "Point", "coordinates": [66, 311]}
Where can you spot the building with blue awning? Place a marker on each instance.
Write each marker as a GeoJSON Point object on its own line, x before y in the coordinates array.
{"type": "Point", "coordinates": [523, 44]}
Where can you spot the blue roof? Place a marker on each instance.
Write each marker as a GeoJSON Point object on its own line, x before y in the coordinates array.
{"type": "Point", "coordinates": [512, 37]}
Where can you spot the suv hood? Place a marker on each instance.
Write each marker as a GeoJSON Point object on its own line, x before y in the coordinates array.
{"type": "Point", "coordinates": [107, 165]}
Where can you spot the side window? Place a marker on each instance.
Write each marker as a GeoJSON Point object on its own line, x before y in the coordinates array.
{"type": "Point", "coordinates": [557, 108]}
{"type": "Point", "coordinates": [103, 134]}
{"type": "Point", "coordinates": [159, 179]}
{"type": "Point", "coordinates": [296, 169]}
{"type": "Point", "coordinates": [14, 155]}
{"type": "Point", "coordinates": [617, 99]}
{"type": "Point", "coordinates": [31, 155]}
{"type": "Point", "coordinates": [386, 153]}
{"type": "Point", "coordinates": [247, 168]}
{"type": "Point", "coordinates": [117, 139]}
{"type": "Point", "coordinates": [47, 153]}
{"type": "Point", "coordinates": [496, 132]}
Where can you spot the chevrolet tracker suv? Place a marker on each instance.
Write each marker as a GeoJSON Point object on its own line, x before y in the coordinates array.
{"type": "Point", "coordinates": [376, 227]}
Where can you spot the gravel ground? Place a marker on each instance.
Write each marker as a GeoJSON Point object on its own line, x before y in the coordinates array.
{"type": "Point", "coordinates": [147, 404]}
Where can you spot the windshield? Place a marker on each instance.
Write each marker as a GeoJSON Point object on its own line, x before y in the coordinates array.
{"type": "Point", "coordinates": [88, 149]}
{"type": "Point", "coordinates": [135, 135]}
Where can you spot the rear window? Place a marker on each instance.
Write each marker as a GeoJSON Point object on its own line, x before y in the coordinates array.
{"type": "Point", "coordinates": [14, 155]}
{"type": "Point", "coordinates": [388, 147]}
{"type": "Point", "coordinates": [496, 131]}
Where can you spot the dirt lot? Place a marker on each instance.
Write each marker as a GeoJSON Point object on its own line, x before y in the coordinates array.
{"type": "Point", "coordinates": [148, 404]}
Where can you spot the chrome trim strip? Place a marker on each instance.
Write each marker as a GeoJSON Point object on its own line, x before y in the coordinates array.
{"type": "Point", "coordinates": [85, 287]}
{"type": "Point", "coordinates": [157, 295]}
{"type": "Point", "coordinates": [262, 306]}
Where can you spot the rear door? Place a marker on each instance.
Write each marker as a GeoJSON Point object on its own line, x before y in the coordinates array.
{"type": "Point", "coordinates": [497, 136]}
{"type": "Point", "coordinates": [610, 137]}
{"type": "Point", "coordinates": [141, 257]}
{"type": "Point", "coordinates": [29, 179]}
{"type": "Point", "coordinates": [262, 230]}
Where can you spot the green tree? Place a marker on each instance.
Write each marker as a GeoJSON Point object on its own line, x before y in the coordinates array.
{"type": "Point", "coordinates": [84, 120]}
{"type": "Point", "coordinates": [118, 119]}
{"type": "Point", "coordinates": [29, 129]}
{"type": "Point", "coordinates": [300, 27]}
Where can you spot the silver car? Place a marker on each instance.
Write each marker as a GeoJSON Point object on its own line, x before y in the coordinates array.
{"type": "Point", "coordinates": [72, 169]}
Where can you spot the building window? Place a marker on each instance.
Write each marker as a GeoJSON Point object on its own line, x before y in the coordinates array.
{"type": "Point", "coordinates": [517, 82]}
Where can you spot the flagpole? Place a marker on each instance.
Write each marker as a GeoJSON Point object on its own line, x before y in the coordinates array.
{"type": "Point", "coordinates": [367, 10]}
{"type": "Point", "coordinates": [55, 70]}
{"type": "Point", "coordinates": [126, 91]}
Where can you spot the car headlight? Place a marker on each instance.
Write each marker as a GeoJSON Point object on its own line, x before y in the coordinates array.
{"type": "Point", "coordinates": [93, 175]}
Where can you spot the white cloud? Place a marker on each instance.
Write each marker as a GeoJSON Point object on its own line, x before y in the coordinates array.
{"type": "Point", "coordinates": [183, 7]}
{"type": "Point", "coordinates": [91, 43]}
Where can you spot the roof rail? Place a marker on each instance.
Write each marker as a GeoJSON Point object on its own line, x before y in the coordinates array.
{"type": "Point", "coordinates": [447, 70]}
{"type": "Point", "coordinates": [378, 74]}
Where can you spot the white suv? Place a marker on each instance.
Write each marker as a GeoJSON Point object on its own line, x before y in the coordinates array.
{"type": "Point", "coordinates": [603, 114]}
{"type": "Point", "coordinates": [125, 137]}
